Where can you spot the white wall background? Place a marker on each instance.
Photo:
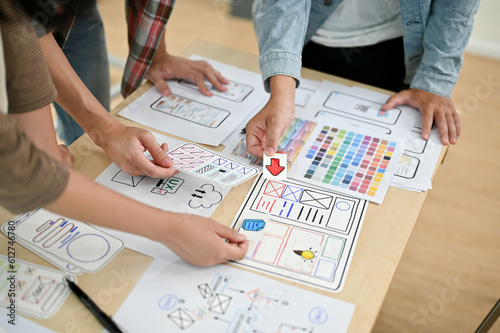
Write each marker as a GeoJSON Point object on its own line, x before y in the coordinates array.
{"type": "Point", "coordinates": [485, 38]}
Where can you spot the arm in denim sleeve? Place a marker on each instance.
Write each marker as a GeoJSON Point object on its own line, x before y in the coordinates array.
{"type": "Point", "coordinates": [281, 28]}
{"type": "Point", "coordinates": [146, 22]}
{"type": "Point", "coordinates": [446, 35]}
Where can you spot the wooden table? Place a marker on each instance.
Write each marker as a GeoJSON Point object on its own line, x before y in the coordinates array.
{"type": "Point", "coordinates": [385, 232]}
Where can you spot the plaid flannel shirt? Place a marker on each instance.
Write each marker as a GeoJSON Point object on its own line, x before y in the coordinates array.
{"type": "Point", "coordinates": [146, 22]}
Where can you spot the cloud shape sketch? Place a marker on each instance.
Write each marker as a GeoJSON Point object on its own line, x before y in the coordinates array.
{"type": "Point", "coordinates": [206, 196]}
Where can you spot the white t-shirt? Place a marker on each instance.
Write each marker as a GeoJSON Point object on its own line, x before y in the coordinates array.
{"type": "Point", "coordinates": [360, 23]}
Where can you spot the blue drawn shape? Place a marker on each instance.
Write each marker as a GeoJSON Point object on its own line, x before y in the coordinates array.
{"type": "Point", "coordinates": [231, 165]}
{"type": "Point", "coordinates": [343, 206]}
{"type": "Point", "coordinates": [219, 161]}
{"type": "Point", "coordinates": [220, 282]}
{"type": "Point", "coordinates": [100, 248]}
{"type": "Point", "coordinates": [318, 316]}
{"type": "Point", "coordinates": [382, 113]}
{"type": "Point", "coordinates": [246, 170]}
{"type": "Point", "coordinates": [292, 193]}
{"type": "Point", "coordinates": [253, 225]}
{"type": "Point", "coordinates": [167, 302]}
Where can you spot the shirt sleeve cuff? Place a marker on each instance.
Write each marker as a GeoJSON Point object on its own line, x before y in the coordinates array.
{"type": "Point", "coordinates": [280, 64]}
{"type": "Point", "coordinates": [434, 83]}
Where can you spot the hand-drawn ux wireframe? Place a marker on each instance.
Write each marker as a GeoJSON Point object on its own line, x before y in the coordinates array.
{"type": "Point", "coordinates": [308, 234]}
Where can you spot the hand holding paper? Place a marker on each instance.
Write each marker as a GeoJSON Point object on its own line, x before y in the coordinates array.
{"type": "Point", "coordinates": [200, 241]}
{"type": "Point", "coordinates": [126, 146]}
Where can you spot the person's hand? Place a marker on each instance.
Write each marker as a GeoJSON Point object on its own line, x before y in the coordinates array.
{"type": "Point", "coordinates": [432, 108]}
{"type": "Point", "coordinates": [165, 66]}
{"type": "Point", "coordinates": [202, 241]}
{"type": "Point", "coordinates": [264, 130]}
{"type": "Point", "coordinates": [126, 146]}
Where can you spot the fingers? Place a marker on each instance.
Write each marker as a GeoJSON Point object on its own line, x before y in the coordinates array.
{"type": "Point", "coordinates": [205, 70]}
{"type": "Point", "coordinates": [237, 245]}
{"type": "Point", "coordinates": [232, 235]}
{"type": "Point", "coordinates": [155, 77]}
{"type": "Point", "coordinates": [427, 119]}
{"type": "Point", "coordinates": [394, 100]}
{"type": "Point", "coordinates": [156, 151]}
{"type": "Point", "coordinates": [236, 251]}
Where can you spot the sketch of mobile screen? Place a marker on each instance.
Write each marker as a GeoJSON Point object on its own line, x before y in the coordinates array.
{"type": "Point", "coordinates": [361, 107]}
{"type": "Point", "coordinates": [236, 91]}
{"type": "Point", "coordinates": [189, 110]}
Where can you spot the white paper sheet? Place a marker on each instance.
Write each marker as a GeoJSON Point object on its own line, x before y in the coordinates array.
{"type": "Point", "coordinates": [22, 325]}
{"type": "Point", "coordinates": [174, 296]}
{"type": "Point", "coordinates": [356, 163]}
{"type": "Point", "coordinates": [303, 233]}
{"type": "Point", "coordinates": [71, 241]}
{"type": "Point", "coordinates": [37, 291]}
{"type": "Point", "coordinates": [181, 193]}
{"type": "Point", "coordinates": [360, 108]}
{"type": "Point", "coordinates": [195, 117]}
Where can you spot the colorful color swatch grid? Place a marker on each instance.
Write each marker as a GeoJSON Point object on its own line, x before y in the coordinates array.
{"type": "Point", "coordinates": [291, 142]}
{"type": "Point", "coordinates": [353, 163]}
{"type": "Point", "coordinates": [207, 164]}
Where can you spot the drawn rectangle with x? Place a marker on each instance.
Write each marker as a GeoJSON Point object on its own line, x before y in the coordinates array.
{"type": "Point", "coordinates": [316, 199]}
{"type": "Point", "coordinates": [274, 189]}
{"type": "Point", "coordinates": [292, 193]}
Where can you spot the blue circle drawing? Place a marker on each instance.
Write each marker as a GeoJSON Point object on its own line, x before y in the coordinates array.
{"type": "Point", "coordinates": [343, 206]}
{"type": "Point", "coordinates": [167, 302]}
{"type": "Point", "coordinates": [318, 316]}
{"type": "Point", "coordinates": [76, 249]}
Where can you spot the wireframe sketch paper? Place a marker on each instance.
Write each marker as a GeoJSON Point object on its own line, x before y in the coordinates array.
{"type": "Point", "coordinates": [182, 193]}
{"type": "Point", "coordinates": [195, 117]}
{"type": "Point", "coordinates": [74, 242]}
{"type": "Point", "coordinates": [360, 109]}
{"type": "Point", "coordinates": [174, 296]}
{"type": "Point", "coordinates": [210, 165]}
{"type": "Point", "coordinates": [37, 291]}
{"type": "Point", "coordinates": [299, 232]}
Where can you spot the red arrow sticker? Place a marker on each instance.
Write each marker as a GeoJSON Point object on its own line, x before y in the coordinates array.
{"type": "Point", "coordinates": [275, 166]}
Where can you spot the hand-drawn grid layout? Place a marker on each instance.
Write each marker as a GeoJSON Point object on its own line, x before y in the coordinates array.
{"type": "Point", "coordinates": [39, 291]}
{"type": "Point", "coordinates": [309, 234]}
{"type": "Point", "coordinates": [204, 163]}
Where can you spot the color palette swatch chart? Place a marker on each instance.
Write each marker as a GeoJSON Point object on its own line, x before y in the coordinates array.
{"type": "Point", "coordinates": [205, 163]}
{"type": "Point", "coordinates": [291, 142]}
{"type": "Point", "coordinates": [350, 162]}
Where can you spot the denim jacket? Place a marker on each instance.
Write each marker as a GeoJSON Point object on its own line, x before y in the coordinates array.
{"type": "Point", "coordinates": [435, 34]}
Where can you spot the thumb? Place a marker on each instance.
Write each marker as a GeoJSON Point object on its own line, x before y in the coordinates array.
{"type": "Point", "coordinates": [232, 235]}
{"type": "Point", "coordinates": [156, 151]}
{"type": "Point", "coordinates": [272, 140]}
